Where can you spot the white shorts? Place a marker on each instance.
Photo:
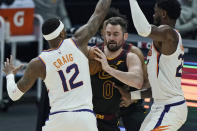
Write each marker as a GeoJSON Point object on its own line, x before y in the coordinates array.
{"type": "Point", "coordinates": [71, 121]}
{"type": "Point", "coordinates": [169, 117]}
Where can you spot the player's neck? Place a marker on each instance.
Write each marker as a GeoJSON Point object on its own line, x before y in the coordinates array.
{"type": "Point", "coordinates": [55, 44]}
{"type": "Point", "coordinates": [169, 22]}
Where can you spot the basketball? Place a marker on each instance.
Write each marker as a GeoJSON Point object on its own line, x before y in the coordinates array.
{"type": "Point", "coordinates": [94, 65]}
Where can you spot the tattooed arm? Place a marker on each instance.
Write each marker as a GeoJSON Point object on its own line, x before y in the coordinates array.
{"type": "Point", "coordinates": [35, 69]}
{"type": "Point", "coordinates": [83, 34]}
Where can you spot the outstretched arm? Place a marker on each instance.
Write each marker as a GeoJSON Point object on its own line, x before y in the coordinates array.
{"type": "Point", "coordinates": [83, 34]}
{"type": "Point", "coordinates": [161, 33]}
{"type": "Point", "coordinates": [35, 69]}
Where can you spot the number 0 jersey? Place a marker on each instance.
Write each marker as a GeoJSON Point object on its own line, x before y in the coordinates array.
{"type": "Point", "coordinates": [106, 98]}
{"type": "Point", "coordinates": [164, 72]}
{"type": "Point", "coordinates": [67, 77]}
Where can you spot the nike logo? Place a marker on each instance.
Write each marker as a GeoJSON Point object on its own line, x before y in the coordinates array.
{"type": "Point", "coordinates": [119, 62]}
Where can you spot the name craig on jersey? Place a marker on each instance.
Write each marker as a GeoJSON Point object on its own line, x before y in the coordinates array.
{"type": "Point", "coordinates": [63, 60]}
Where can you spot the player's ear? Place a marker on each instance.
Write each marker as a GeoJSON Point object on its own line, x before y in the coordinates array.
{"type": "Point", "coordinates": [164, 13]}
{"type": "Point", "coordinates": [63, 34]}
{"type": "Point", "coordinates": [126, 36]}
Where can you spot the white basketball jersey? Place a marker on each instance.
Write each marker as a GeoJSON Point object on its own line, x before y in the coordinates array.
{"type": "Point", "coordinates": [67, 77]}
{"type": "Point", "coordinates": [164, 72]}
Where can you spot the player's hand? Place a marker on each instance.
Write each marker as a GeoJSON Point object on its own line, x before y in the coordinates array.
{"type": "Point", "coordinates": [91, 54]}
{"type": "Point", "coordinates": [9, 67]}
{"type": "Point", "coordinates": [125, 97]}
{"type": "Point", "coordinates": [101, 58]}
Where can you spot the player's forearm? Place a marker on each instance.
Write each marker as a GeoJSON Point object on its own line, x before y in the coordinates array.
{"type": "Point", "coordinates": [140, 22]}
{"type": "Point", "coordinates": [99, 14]}
{"type": "Point", "coordinates": [12, 88]}
{"type": "Point", "coordinates": [134, 79]}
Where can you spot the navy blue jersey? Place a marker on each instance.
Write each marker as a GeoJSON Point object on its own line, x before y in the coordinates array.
{"type": "Point", "coordinates": [106, 98]}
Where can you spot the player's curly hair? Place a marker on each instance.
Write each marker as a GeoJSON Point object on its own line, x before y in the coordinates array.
{"type": "Point", "coordinates": [172, 7]}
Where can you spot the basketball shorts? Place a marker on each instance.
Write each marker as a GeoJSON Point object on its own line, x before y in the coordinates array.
{"type": "Point", "coordinates": [165, 117]}
{"type": "Point", "coordinates": [78, 120]}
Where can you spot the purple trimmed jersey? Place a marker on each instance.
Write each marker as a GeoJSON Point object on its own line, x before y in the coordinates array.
{"type": "Point", "coordinates": [67, 77]}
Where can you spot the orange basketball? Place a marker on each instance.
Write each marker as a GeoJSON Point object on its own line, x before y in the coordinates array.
{"type": "Point", "coordinates": [94, 66]}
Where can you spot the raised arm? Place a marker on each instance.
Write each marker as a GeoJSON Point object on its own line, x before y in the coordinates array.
{"type": "Point", "coordinates": [35, 69]}
{"type": "Point", "coordinates": [83, 34]}
{"type": "Point", "coordinates": [161, 33]}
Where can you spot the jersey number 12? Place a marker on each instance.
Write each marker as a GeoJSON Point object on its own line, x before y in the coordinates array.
{"type": "Point", "coordinates": [71, 80]}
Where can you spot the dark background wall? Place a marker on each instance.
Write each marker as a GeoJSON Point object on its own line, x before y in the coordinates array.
{"type": "Point", "coordinates": [80, 11]}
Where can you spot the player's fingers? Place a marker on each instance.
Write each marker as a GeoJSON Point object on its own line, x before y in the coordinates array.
{"type": "Point", "coordinates": [11, 60]}
{"type": "Point", "coordinates": [99, 51]}
{"type": "Point", "coordinates": [98, 54]}
{"type": "Point", "coordinates": [5, 64]}
{"type": "Point", "coordinates": [123, 104]}
{"type": "Point", "coordinates": [98, 59]}
{"type": "Point", "coordinates": [120, 90]}
{"type": "Point", "coordinates": [7, 61]}
{"type": "Point", "coordinates": [18, 68]}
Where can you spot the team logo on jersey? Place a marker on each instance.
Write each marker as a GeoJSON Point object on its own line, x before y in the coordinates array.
{"type": "Point", "coordinates": [119, 62]}
{"type": "Point", "coordinates": [104, 75]}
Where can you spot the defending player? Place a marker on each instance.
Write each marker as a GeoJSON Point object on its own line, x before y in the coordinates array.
{"type": "Point", "coordinates": [65, 71]}
{"type": "Point", "coordinates": [165, 62]}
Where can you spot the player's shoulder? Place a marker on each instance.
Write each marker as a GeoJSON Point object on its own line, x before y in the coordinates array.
{"type": "Point", "coordinates": [37, 67]}
{"type": "Point", "coordinates": [166, 28]}
{"type": "Point", "coordinates": [131, 55]}
{"type": "Point", "coordinates": [135, 49]}
{"type": "Point", "coordinates": [35, 62]}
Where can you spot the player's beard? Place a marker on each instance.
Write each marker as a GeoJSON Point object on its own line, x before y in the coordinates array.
{"type": "Point", "coordinates": [113, 46]}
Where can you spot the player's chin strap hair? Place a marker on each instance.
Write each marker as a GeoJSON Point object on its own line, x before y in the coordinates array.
{"type": "Point", "coordinates": [55, 33]}
{"type": "Point", "coordinates": [13, 91]}
{"type": "Point", "coordinates": [140, 22]}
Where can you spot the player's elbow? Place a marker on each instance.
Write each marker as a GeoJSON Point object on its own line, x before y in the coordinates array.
{"type": "Point", "coordinates": [144, 32]}
{"type": "Point", "coordinates": [13, 97]}
{"type": "Point", "coordinates": [139, 84]}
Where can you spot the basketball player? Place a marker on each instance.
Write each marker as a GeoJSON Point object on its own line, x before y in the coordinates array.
{"type": "Point", "coordinates": [127, 68]}
{"type": "Point", "coordinates": [65, 71]}
{"type": "Point", "coordinates": [165, 63]}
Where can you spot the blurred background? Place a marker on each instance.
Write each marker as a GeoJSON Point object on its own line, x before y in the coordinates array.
{"type": "Point", "coordinates": [20, 35]}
